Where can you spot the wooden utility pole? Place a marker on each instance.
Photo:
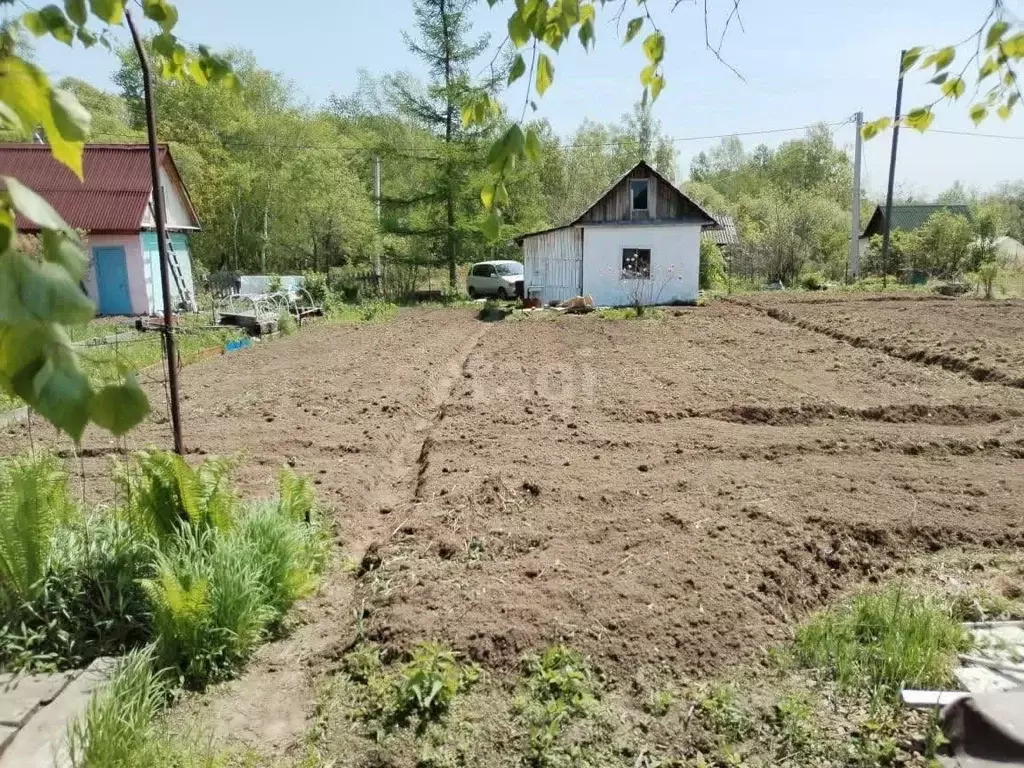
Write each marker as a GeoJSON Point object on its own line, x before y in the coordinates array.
{"type": "Point", "coordinates": [170, 345]}
{"type": "Point", "coordinates": [855, 203]}
{"type": "Point", "coordinates": [886, 238]}
{"type": "Point", "coordinates": [376, 198]}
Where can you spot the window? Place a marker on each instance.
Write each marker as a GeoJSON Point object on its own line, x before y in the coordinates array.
{"type": "Point", "coordinates": [638, 195]}
{"type": "Point", "coordinates": [509, 268]}
{"type": "Point", "coordinates": [483, 270]}
{"type": "Point", "coordinates": [636, 263]}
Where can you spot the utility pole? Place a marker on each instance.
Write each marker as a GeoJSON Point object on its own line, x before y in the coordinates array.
{"type": "Point", "coordinates": [170, 344]}
{"type": "Point", "coordinates": [886, 238]}
{"type": "Point", "coordinates": [855, 205]}
{"type": "Point", "coordinates": [376, 197]}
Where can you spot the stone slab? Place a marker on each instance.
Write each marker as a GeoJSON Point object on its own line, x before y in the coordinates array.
{"type": "Point", "coordinates": [41, 741]}
{"type": "Point", "coordinates": [21, 695]}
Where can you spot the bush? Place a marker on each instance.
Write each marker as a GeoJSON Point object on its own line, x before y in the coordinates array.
{"type": "Point", "coordinates": [813, 281]}
{"type": "Point", "coordinates": [884, 641]}
{"type": "Point", "coordinates": [286, 324]}
{"type": "Point", "coordinates": [712, 265]}
{"type": "Point", "coordinates": [318, 289]}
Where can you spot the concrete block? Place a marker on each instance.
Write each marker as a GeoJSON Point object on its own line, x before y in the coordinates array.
{"type": "Point", "coordinates": [6, 734]}
{"type": "Point", "coordinates": [20, 696]}
{"type": "Point", "coordinates": [41, 742]}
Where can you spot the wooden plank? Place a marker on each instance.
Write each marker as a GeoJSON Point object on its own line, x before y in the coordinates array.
{"type": "Point", "coordinates": [930, 699]}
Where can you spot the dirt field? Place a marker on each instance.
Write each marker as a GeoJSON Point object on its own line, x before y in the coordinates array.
{"type": "Point", "coordinates": [672, 491]}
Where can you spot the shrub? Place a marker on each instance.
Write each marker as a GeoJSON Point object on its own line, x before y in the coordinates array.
{"type": "Point", "coordinates": [986, 277]}
{"type": "Point", "coordinates": [813, 281]}
{"type": "Point", "coordinates": [712, 265]}
{"type": "Point", "coordinates": [317, 287]}
{"type": "Point", "coordinates": [884, 641]}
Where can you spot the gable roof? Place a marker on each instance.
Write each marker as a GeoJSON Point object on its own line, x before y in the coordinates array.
{"type": "Point", "coordinates": [725, 233]}
{"type": "Point", "coordinates": [909, 216]}
{"type": "Point", "coordinates": [708, 221]}
{"type": "Point", "coordinates": [112, 198]}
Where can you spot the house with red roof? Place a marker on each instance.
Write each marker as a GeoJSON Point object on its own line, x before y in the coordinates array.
{"type": "Point", "coordinates": [113, 205]}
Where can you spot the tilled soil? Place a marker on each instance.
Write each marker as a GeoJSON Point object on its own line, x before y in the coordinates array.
{"type": "Point", "coordinates": [669, 491]}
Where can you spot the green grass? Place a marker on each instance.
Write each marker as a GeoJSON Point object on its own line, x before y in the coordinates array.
{"type": "Point", "coordinates": [368, 312]}
{"type": "Point", "coordinates": [884, 641]}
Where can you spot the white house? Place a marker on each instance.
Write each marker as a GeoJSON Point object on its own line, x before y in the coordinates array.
{"type": "Point", "coordinates": [639, 240]}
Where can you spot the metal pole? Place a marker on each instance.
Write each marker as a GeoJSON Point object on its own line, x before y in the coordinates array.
{"type": "Point", "coordinates": [892, 175]}
{"type": "Point", "coordinates": [161, 236]}
{"type": "Point", "coordinates": [855, 203]}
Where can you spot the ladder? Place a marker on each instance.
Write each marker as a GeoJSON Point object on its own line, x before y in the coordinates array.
{"type": "Point", "coordinates": [185, 295]}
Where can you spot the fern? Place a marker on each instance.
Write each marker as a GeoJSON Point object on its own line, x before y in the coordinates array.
{"type": "Point", "coordinates": [33, 502]}
{"type": "Point", "coordinates": [165, 493]}
{"type": "Point", "coordinates": [295, 497]}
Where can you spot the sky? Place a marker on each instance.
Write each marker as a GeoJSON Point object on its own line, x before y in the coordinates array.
{"type": "Point", "coordinates": [801, 62]}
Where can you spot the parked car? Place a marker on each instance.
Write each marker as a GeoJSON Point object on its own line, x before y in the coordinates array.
{"type": "Point", "coordinates": [503, 279]}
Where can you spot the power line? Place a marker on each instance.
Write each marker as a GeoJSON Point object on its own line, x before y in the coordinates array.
{"type": "Point", "coordinates": [978, 135]}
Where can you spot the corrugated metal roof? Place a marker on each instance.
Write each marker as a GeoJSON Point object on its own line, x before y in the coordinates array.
{"type": "Point", "coordinates": [113, 196]}
{"type": "Point", "coordinates": [725, 233]}
{"type": "Point", "coordinates": [910, 216]}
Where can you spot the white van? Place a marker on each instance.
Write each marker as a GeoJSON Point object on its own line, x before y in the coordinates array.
{"type": "Point", "coordinates": [503, 279]}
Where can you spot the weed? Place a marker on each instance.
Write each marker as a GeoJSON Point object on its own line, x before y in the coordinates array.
{"type": "Point", "coordinates": [425, 686]}
{"type": "Point", "coordinates": [659, 702]}
{"type": "Point", "coordinates": [286, 324]}
{"type": "Point", "coordinates": [369, 312]}
{"type": "Point", "coordinates": [721, 713]}
{"type": "Point", "coordinates": [793, 720]}
{"type": "Point", "coordinates": [882, 642]}
{"type": "Point", "coordinates": [981, 605]}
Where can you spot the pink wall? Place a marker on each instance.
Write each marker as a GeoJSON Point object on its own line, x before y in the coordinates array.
{"type": "Point", "coordinates": [133, 261]}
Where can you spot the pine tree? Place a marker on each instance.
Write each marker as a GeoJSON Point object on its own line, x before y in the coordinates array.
{"type": "Point", "coordinates": [444, 43]}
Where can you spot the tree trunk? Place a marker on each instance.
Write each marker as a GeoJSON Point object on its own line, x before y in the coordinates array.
{"type": "Point", "coordinates": [449, 122]}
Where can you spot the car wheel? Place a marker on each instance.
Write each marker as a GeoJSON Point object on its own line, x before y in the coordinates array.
{"type": "Point", "coordinates": [503, 294]}
{"type": "Point", "coordinates": [471, 292]}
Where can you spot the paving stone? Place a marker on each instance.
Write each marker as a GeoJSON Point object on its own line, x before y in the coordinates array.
{"type": "Point", "coordinates": [40, 743]}
{"type": "Point", "coordinates": [20, 696]}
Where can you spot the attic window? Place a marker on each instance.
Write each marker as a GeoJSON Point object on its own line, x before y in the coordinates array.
{"type": "Point", "coordinates": [638, 195]}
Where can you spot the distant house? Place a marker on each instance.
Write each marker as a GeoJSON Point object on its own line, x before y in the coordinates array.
{"type": "Point", "coordinates": [642, 227]}
{"type": "Point", "coordinates": [724, 235]}
{"type": "Point", "coordinates": [113, 206]}
{"type": "Point", "coordinates": [906, 217]}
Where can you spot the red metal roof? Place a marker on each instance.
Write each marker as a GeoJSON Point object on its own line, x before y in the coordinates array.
{"type": "Point", "coordinates": [112, 198]}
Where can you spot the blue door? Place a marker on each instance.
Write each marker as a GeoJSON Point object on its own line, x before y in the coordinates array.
{"type": "Point", "coordinates": [112, 280]}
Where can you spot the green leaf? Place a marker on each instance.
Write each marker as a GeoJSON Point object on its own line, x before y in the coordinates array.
{"type": "Point", "coordinates": [1005, 112]}
{"type": "Point", "coordinates": [654, 47]}
{"type": "Point", "coordinates": [532, 146]}
{"type": "Point", "coordinates": [57, 24]}
{"type": "Point", "coordinates": [518, 30]}
{"type": "Point", "coordinates": [58, 390]}
{"type": "Point", "coordinates": [514, 140]}
{"type": "Point", "coordinates": [517, 70]}
{"type": "Point", "coordinates": [26, 91]}
{"type": "Point", "coordinates": [978, 113]}
{"type": "Point", "coordinates": [6, 229]}
{"type": "Point", "coordinates": [648, 73]}
{"type": "Point", "coordinates": [995, 33]}
{"type": "Point", "coordinates": [920, 119]}
{"type": "Point", "coordinates": [545, 73]}
{"type": "Point", "coordinates": [32, 206]}
{"type": "Point", "coordinates": [119, 408]}
{"type": "Point", "coordinates": [656, 84]}
{"type": "Point", "coordinates": [989, 67]}
{"type": "Point", "coordinates": [162, 12]}
{"type": "Point", "coordinates": [875, 127]}
{"type": "Point", "coordinates": [587, 13]}
{"type": "Point", "coordinates": [487, 196]}
{"type": "Point", "coordinates": [586, 34]}
{"type": "Point", "coordinates": [954, 88]}
{"type": "Point", "coordinates": [111, 11]}
{"type": "Point", "coordinates": [70, 117]}
{"type": "Point", "coordinates": [633, 28]}
{"type": "Point", "coordinates": [63, 249]}
{"type": "Point", "coordinates": [77, 11]}
{"type": "Point", "coordinates": [491, 227]}
{"type": "Point", "coordinates": [87, 38]}
{"type": "Point", "coordinates": [939, 79]}
{"type": "Point", "coordinates": [1014, 47]}
{"type": "Point", "coordinates": [944, 57]}
{"type": "Point", "coordinates": [910, 58]}
{"type": "Point", "coordinates": [33, 22]}
{"type": "Point", "coordinates": [501, 195]}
